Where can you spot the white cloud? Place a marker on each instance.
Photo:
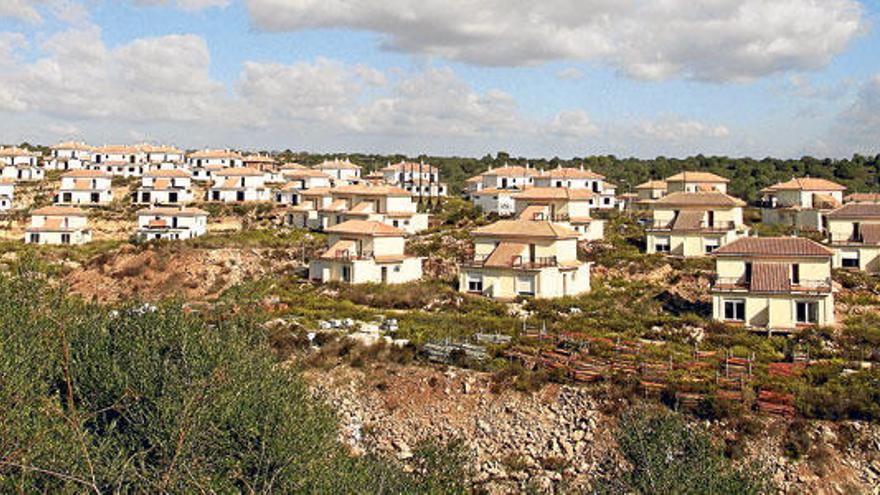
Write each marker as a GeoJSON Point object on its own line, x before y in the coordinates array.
{"type": "Point", "coordinates": [572, 124]}
{"type": "Point", "coordinates": [31, 11]}
{"type": "Point", "coordinates": [570, 74]}
{"type": "Point", "coordinates": [857, 129]}
{"type": "Point", "coordinates": [677, 129]}
{"type": "Point", "coordinates": [23, 10]}
{"type": "Point", "coordinates": [803, 87]}
{"type": "Point", "coordinates": [190, 5]}
{"type": "Point", "coordinates": [718, 40]}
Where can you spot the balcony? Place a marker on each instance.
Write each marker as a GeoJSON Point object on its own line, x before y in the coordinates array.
{"type": "Point", "coordinates": [740, 284]}
{"type": "Point", "coordinates": [718, 226]}
{"type": "Point", "coordinates": [348, 256]}
{"type": "Point", "coordinates": [516, 262]}
{"type": "Point", "coordinates": [543, 217]}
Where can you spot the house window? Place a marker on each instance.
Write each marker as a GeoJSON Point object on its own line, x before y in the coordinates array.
{"type": "Point", "coordinates": [65, 238]}
{"type": "Point", "coordinates": [35, 238]}
{"type": "Point", "coordinates": [807, 312]}
{"type": "Point", "coordinates": [474, 282]}
{"type": "Point", "coordinates": [796, 274]}
{"type": "Point", "coordinates": [710, 245]}
{"type": "Point", "coordinates": [607, 201]}
{"type": "Point", "coordinates": [661, 244]}
{"type": "Point", "coordinates": [525, 285]}
{"type": "Point", "coordinates": [849, 259]}
{"type": "Point", "coordinates": [735, 310]}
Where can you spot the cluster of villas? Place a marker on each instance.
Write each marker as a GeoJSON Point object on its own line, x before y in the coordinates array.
{"type": "Point", "coordinates": [531, 247]}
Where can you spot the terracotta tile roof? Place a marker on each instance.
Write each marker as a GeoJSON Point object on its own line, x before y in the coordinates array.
{"type": "Point", "coordinates": [362, 207]}
{"type": "Point", "coordinates": [116, 149]}
{"type": "Point", "coordinates": [370, 191]}
{"type": "Point", "coordinates": [72, 145]}
{"type": "Point", "coordinates": [16, 151]}
{"type": "Point", "coordinates": [82, 185]}
{"type": "Point", "coordinates": [337, 205]}
{"type": "Point", "coordinates": [338, 249]}
{"type": "Point", "coordinates": [688, 220]}
{"type": "Point", "coordinates": [157, 223]}
{"type": "Point", "coordinates": [215, 154]}
{"type": "Point", "coordinates": [551, 193]}
{"type": "Point", "coordinates": [770, 277]}
{"type": "Point", "coordinates": [862, 198]}
{"type": "Point", "coordinates": [652, 184]}
{"type": "Point", "coordinates": [533, 212]}
{"type": "Point", "coordinates": [856, 211]}
{"type": "Point", "coordinates": [388, 258]}
{"type": "Point", "coordinates": [571, 173]}
{"type": "Point", "coordinates": [806, 184]}
{"type": "Point", "coordinates": [413, 168]}
{"type": "Point", "coordinates": [525, 228]}
{"type": "Point", "coordinates": [59, 211]}
{"type": "Point", "coordinates": [292, 166]}
{"type": "Point", "coordinates": [475, 179]}
{"type": "Point", "coordinates": [711, 198]}
{"type": "Point", "coordinates": [580, 220]}
{"type": "Point", "coordinates": [774, 246]}
{"type": "Point", "coordinates": [316, 191]}
{"type": "Point", "coordinates": [366, 227]}
{"type": "Point", "coordinates": [258, 159]}
{"type": "Point", "coordinates": [512, 171]}
{"type": "Point", "coordinates": [303, 173]}
{"type": "Point", "coordinates": [171, 211]}
{"type": "Point", "coordinates": [399, 214]}
{"type": "Point", "coordinates": [6, 181]}
{"type": "Point", "coordinates": [825, 201]}
{"type": "Point", "coordinates": [505, 254]}
{"type": "Point", "coordinates": [157, 148]}
{"type": "Point", "coordinates": [230, 183]}
{"type": "Point", "coordinates": [86, 174]}
{"type": "Point", "coordinates": [161, 184]}
{"type": "Point", "coordinates": [688, 176]}
{"type": "Point", "coordinates": [870, 233]}
{"type": "Point", "coordinates": [491, 191]}
{"type": "Point", "coordinates": [168, 173]}
{"type": "Point", "coordinates": [338, 165]}
{"type": "Point", "coordinates": [239, 172]}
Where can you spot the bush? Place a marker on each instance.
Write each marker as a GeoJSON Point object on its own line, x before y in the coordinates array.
{"type": "Point", "coordinates": [666, 455]}
{"type": "Point", "coordinates": [128, 399]}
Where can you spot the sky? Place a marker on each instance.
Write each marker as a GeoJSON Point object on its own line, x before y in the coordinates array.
{"type": "Point", "coordinates": [781, 78]}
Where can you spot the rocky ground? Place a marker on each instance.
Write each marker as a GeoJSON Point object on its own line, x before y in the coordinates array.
{"type": "Point", "coordinates": [558, 439]}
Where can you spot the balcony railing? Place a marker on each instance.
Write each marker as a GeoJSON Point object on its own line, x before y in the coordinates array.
{"type": "Point", "coordinates": [539, 217]}
{"type": "Point", "coordinates": [740, 283]}
{"type": "Point", "coordinates": [516, 262]}
{"type": "Point", "coordinates": [722, 226]}
{"type": "Point", "coordinates": [349, 256]}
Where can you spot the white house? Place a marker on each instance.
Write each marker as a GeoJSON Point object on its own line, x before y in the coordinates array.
{"type": "Point", "coordinates": [58, 225]}
{"type": "Point", "coordinates": [305, 214]}
{"type": "Point", "coordinates": [560, 205]}
{"type": "Point", "coordinates": [119, 160]}
{"type": "Point", "coordinates": [494, 192]}
{"type": "Point", "coordinates": [159, 154]}
{"type": "Point", "coordinates": [363, 251]}
{"type": "Point", "coordinates": [604, 193]}
{"type": "Point", "coordinates": [7, 194]}
{"type": "Point", "coordinates": [20, 165]}
{"type": "Point", "coordinates": [85, 187]}
{"type": "Point", "coordinates": [171, 223]}
{"type": "Point", "coordinates": [236, 185]}
{"type": "Point", "coordinates": [70, 155]}
{"type": "Point", "coordinates": [688, 181]}
{"type": "Point", "coordinates": [165, 187]}
{"type": "Point", "coordinates": [341, 171]}
{"type": "Point", "coordinates": [300, 180]}
{"type": "Point", "coordinates": [420, 179]}
{"type": "Point", "coordinates": [387, 204]}
{"type": "Point", "coordinates": [800, 202]}
{"type": "Point", "coordinates": [223, 158]}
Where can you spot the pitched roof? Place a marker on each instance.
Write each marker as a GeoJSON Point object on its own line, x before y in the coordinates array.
{"type": "Point", "coordinates": [549, 193]}
{"type": "Point", "coordinates": [172, 211]}
{"type": "Point", "coordinates": [652, 184]}
{"type": "Point", "coordinates": [157, 148]}
{"type": "Point", "coordinates": [337, 165]}
{"type": "Point", "coordinates": [338, 249]}
{"type": "Point", "coordinates": [862, 198]}
{"type": "Point", "coordinates": [688, 176]}
{"type": "Point", "coordinates": [296, 173]}
{"type": "Point", "coordinates": [86, 174]}
{"type": "Point", "coordinates": [770, 277]}
{"type": "Point", "coordinates": [532, 212]}
{"type": "Point", "coordinates": [382, 190]}
{"type": "Point", "coordinates": [365, 227]}
{"type": "Point", "coordinates": [702, 198]}
{"type": "Point", "coordinates": [72, 145]}
{"type": "Point", "coordinates": [16, 151]}
{"type": "Point", "coordinates": [338, 205]}
{"type": "Point", "coordinates": [525, 228]}
{"type": "Point", "coordinates": [512, 171]}
{"type": "Point", "coordinates": [825, 201]}
{"type": "Point", "coordinates": [504, 255]}
{"type": "Point", "coordinates": [238, 172]}
{"type": "Point", "coordinates": [168, 173]}
{"type": "Point", "coordinates": [59, 211]}
{"type": "Point", "coordinates": [688, 220]}
{"type": "Point", "coordinates": [774, 246]}
{"type": "Point", "coordinates": [856, 211]}
{"type": "Point", "coordinates": [258, 159]}
{"type": "Point", "coordinates": [571, 173]}
{"type": "Point", "coordinates": [806, 184]}
{"type": "Point", "coordinates": [870, 233]}
{"type": "Point", "coordinates": [215, 154]}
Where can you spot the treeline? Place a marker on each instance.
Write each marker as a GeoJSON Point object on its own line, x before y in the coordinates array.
{"type": "Point", "coordinates": [747, 176]}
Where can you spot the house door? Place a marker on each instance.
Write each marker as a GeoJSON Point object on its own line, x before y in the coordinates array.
{"type": "Point", "coordinates": [239, 196]}
{"type": "Point", "coordinates": [384, 274]}
{"type": "Point", "coordinates": [346, 273]}
{"type": "Point", "coordinates": [172, 197]}
{"type": "Point", "coordinates": [96, 198]}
